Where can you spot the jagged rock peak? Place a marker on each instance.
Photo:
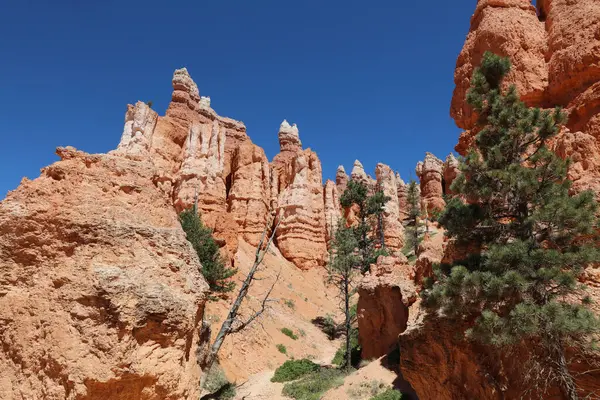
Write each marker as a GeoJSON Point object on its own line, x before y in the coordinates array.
{"type": "Point", "coordinates": [341, 179]}
{"type": "Point", "coordinates": [182, 81]}
{"type": "Point", "coordinates": [358, 172]}
{"type": "Point", "coordinates": [451, 161]}
{"type": "Point", "coordinates": [289, 138]}
{"type": "Point", "coordinates": [430, 164]}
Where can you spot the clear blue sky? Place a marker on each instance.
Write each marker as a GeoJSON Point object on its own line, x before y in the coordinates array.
{"type": "Point", "coordinates": [367, 80]}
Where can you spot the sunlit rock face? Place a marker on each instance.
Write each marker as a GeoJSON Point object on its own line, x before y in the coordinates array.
{"type": "Point", "coordinates": [100, 291]}
{"type": "Point", "coordinates": [430, 173]}
{"type": "Point", "coordinates": [297, 198]}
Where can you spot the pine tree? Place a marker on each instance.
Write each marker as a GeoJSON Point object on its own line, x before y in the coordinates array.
{"type": "Point", "coordinates": [414, 210]}
{"type": "Point", "coordinates": [532, 239]}
{"type": "Point", "coordinates": [214, 270]}
{"type": "Point", "coordinates": [342, 272]}
{"type": "Point", "coordinates": [368, 207]}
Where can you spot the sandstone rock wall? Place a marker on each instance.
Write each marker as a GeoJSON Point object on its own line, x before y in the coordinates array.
{"type": "Point", "coordinates": [392, 226]}
{"type": "Point", "coordinates": [297, 197]}
{"type": "Point", "coordinates": [430, 173]}
{"type": "Point", "coordinates": [556, 62]}
{"type": "Point", "coordinates": [100, 292]}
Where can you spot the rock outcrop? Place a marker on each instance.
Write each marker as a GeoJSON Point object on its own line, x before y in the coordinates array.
{"type": "Point", "coordinates": [509, 28]}
{"type": "Point", "coordinates": [402, 194]}
{"type": "Point", "coordinates": [393, 231]}
{"type": "Point", "coordinates": [555, 57]}
{"type": "Point", "coordinates": [358, 174]}
{"type": "Point", "coordinates": [332, 209]}
{"type": "Point", "coordinates": [297, 194]}
{"type": "Point", "coordinates": [451, 171]}
{"type": "Point", "coordinates": [341, 179]}
{"type": "Point", "coordinates": [100, 292]}
{"type": "Point", "coordinates": [384, 295]}
{"type": "Point", "coordinates": [430, 173]}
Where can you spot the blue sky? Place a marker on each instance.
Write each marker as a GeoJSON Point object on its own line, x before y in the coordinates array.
{"type": "Point", "coordinates": [367, 80]}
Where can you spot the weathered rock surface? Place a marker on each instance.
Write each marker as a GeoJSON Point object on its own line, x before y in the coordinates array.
{"type": "Point", "coordinates": [384, 296]}
{"type": "Point", "coordinates": [451, 171]}
{"type": "Point", "coordinates": [332, 208]}
{"type": "Point", "coordinates": [358, 174]}
{"type": "Point", "coordinates": [555, 57]}
{"type": "Point", "coordinates": [297, 194]}
{"type": "Point", "coordinates": [402, 197]}
{"type": "Point", "coordinates": [341, 179]}
{"type": "Point", "coordinates": [100, 292]}
{"type": "Point", "coordinates": [509, 28]}
{"type": "Point", "coordinates": [430, 173]}
{"type": "Point", "coordinates": [249, 190]}
{"type": "Point", "coordinates": [392, 227]}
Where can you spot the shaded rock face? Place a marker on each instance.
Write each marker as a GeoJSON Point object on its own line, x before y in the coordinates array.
{"type": "Point", "coordinates": [430, 173]}
{"type": "Point", "coordinates": [392, 227]}
{"type": "Point", "coordinates": [440, 364]}
{"type": "Point", "coordinates": [382, 311]}
{"type": "Point", "coordinates": [297, 198]}
{"type": "Point", "coordinates": [100, 292]}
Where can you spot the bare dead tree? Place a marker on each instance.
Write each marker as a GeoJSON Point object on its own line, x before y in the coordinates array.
{"type": "Point", "coordinates": [232, 324]}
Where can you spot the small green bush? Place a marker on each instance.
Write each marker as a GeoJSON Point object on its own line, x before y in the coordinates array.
{"type": "Point", "coordinates": [390, 394]}
{"type": "Point", "coordinates": [288, 332]}
{"type": "Point", "coordinates": [340, 354]}
{"type": "Point", "coordinates": [281, 349]}
{"type": "Point", "coordinates": [313, 385]}
{"type": "Point", "coordinates": [294, 369]}
{"type": "Point", "coordinates": [290, 303]}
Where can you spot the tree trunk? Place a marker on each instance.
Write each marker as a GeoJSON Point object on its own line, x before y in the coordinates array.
{"type": "Point", "coordinates": [227, 326]}
{"type": "Point", "coordinates": [566, 381]}
{"type": "Point", "coordinates": [348, 322]}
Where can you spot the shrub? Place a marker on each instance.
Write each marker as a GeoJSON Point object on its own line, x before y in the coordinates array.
{"type": "Point", "coordinates": [294, 369]}
{"type": "Point", "coordinates": [313, 385]}
{"type": "Point", "coordinates": [281, 349]}
{"type": "Point", "coordinates": [390, 394]}
{"type": "Point", "coordinates": [290, 303]}
{"type": "Point", "coordinates": [288, 332]}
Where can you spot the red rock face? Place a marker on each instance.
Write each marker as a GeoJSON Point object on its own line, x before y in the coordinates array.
{"type": "Point", "coordinates": [510, 28]}
{"type": "Point", "coordinates": [430, 173]}
{"type": "Point", "coordinates": [556, 62]}
{"type": "Point", "coordinates": [297, 197]}
{"type": "Point", "coordinates": [450, 173]}
{"type": "Point", "coordinates": [384, 296]}
{"type": "Point", "coordinates": [100, 292]}
{"type": "Point", "coordinates": [392, 226]}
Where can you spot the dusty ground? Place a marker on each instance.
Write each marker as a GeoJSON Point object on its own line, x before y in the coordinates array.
{"type": "Point", "coordinates": [300, 297]}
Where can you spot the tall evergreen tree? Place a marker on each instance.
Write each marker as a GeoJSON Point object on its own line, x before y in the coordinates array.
{"type": "Point", "coordinates": [342, 271]}
{"type": "Point", "coordinates": [368, 207]}
{"type": "Point", "coordinates": [533, 240]}
{"type": "Point", "coordinates": [413, 199]}
{"type": "Point", "coordinates": [214, 270]}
